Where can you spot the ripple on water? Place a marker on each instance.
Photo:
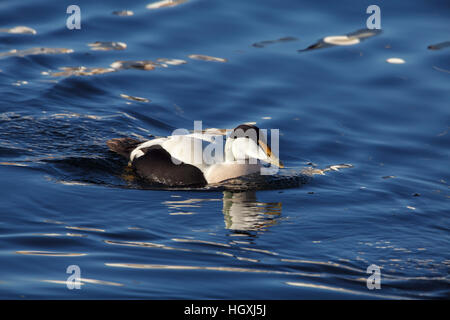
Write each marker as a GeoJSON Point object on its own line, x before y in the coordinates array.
{"type": "Point", "coordinates": [206, 58]}
{"type": "Point", "coordinates": [51, 253]}
{"type": "Point", "coordinates": [123, 13]}
{"type": "Point", "coordinates": [19, 30]}
{"type": "Point", "coordinates": [265, 43]}
{"type": "Point", "coordinates": [83, 281]}
{"type": "Point", "coordinates": [106, 46]}
{"type": "Point", "coordinates": [387, 120]}
{"type": "Point", "coordinates": [164, 4]}
{"type": "Point", "coordinates": [34, 51]}
{"type": "Point", "coordinates": [439, 46]}
{"type": "Point", "coordinates": [343, 40]}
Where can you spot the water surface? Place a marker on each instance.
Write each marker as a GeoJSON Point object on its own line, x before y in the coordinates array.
{"type": "Point", "coordinates": [66, 200]}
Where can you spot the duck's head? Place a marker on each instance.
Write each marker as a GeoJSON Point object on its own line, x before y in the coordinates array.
{"type": "Point", "coordinates": [247, 141]}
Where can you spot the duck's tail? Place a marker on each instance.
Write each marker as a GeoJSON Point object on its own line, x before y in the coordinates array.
{"type": "Point", "coordinates": [123, 146]}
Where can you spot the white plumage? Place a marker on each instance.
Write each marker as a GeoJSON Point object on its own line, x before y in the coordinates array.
{"type": "Point", "coordinates": [198, 158]}
{"type": "Point", "coordinates": [217, 156]}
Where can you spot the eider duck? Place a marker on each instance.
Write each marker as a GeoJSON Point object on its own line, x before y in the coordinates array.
{"type": "Point", "coordinates": [174, 161]}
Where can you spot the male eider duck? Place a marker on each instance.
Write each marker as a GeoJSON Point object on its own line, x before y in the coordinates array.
{"type": "Point", "coordinates": [173, 161]}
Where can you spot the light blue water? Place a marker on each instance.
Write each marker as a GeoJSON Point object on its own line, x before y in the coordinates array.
{"type": "Point", "coordinates": [65, 199]}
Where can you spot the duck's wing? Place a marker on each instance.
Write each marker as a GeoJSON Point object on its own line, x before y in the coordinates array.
{"type": "Point", "coordinates": [156, 165]}
{"type": "Point", "coordinates": [187, 149]}
{"type": "Point", "coordinates": [194, 149]}
{"type": "Point", "coordinates": [138, 151]}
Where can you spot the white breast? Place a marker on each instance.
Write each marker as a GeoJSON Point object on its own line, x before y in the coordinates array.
{"type": "Point", "coordinates": [223, 171]}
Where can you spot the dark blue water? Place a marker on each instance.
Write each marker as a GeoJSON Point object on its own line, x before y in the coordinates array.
{"type": "Point", "coordinates": [66, 200]}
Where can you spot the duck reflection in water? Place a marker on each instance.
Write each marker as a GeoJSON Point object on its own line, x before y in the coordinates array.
{"type": "Point", "coordinates": [243, 212]}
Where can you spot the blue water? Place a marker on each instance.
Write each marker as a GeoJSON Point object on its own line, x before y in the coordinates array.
{"type": "Point", "coordinates": [66, 200]}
